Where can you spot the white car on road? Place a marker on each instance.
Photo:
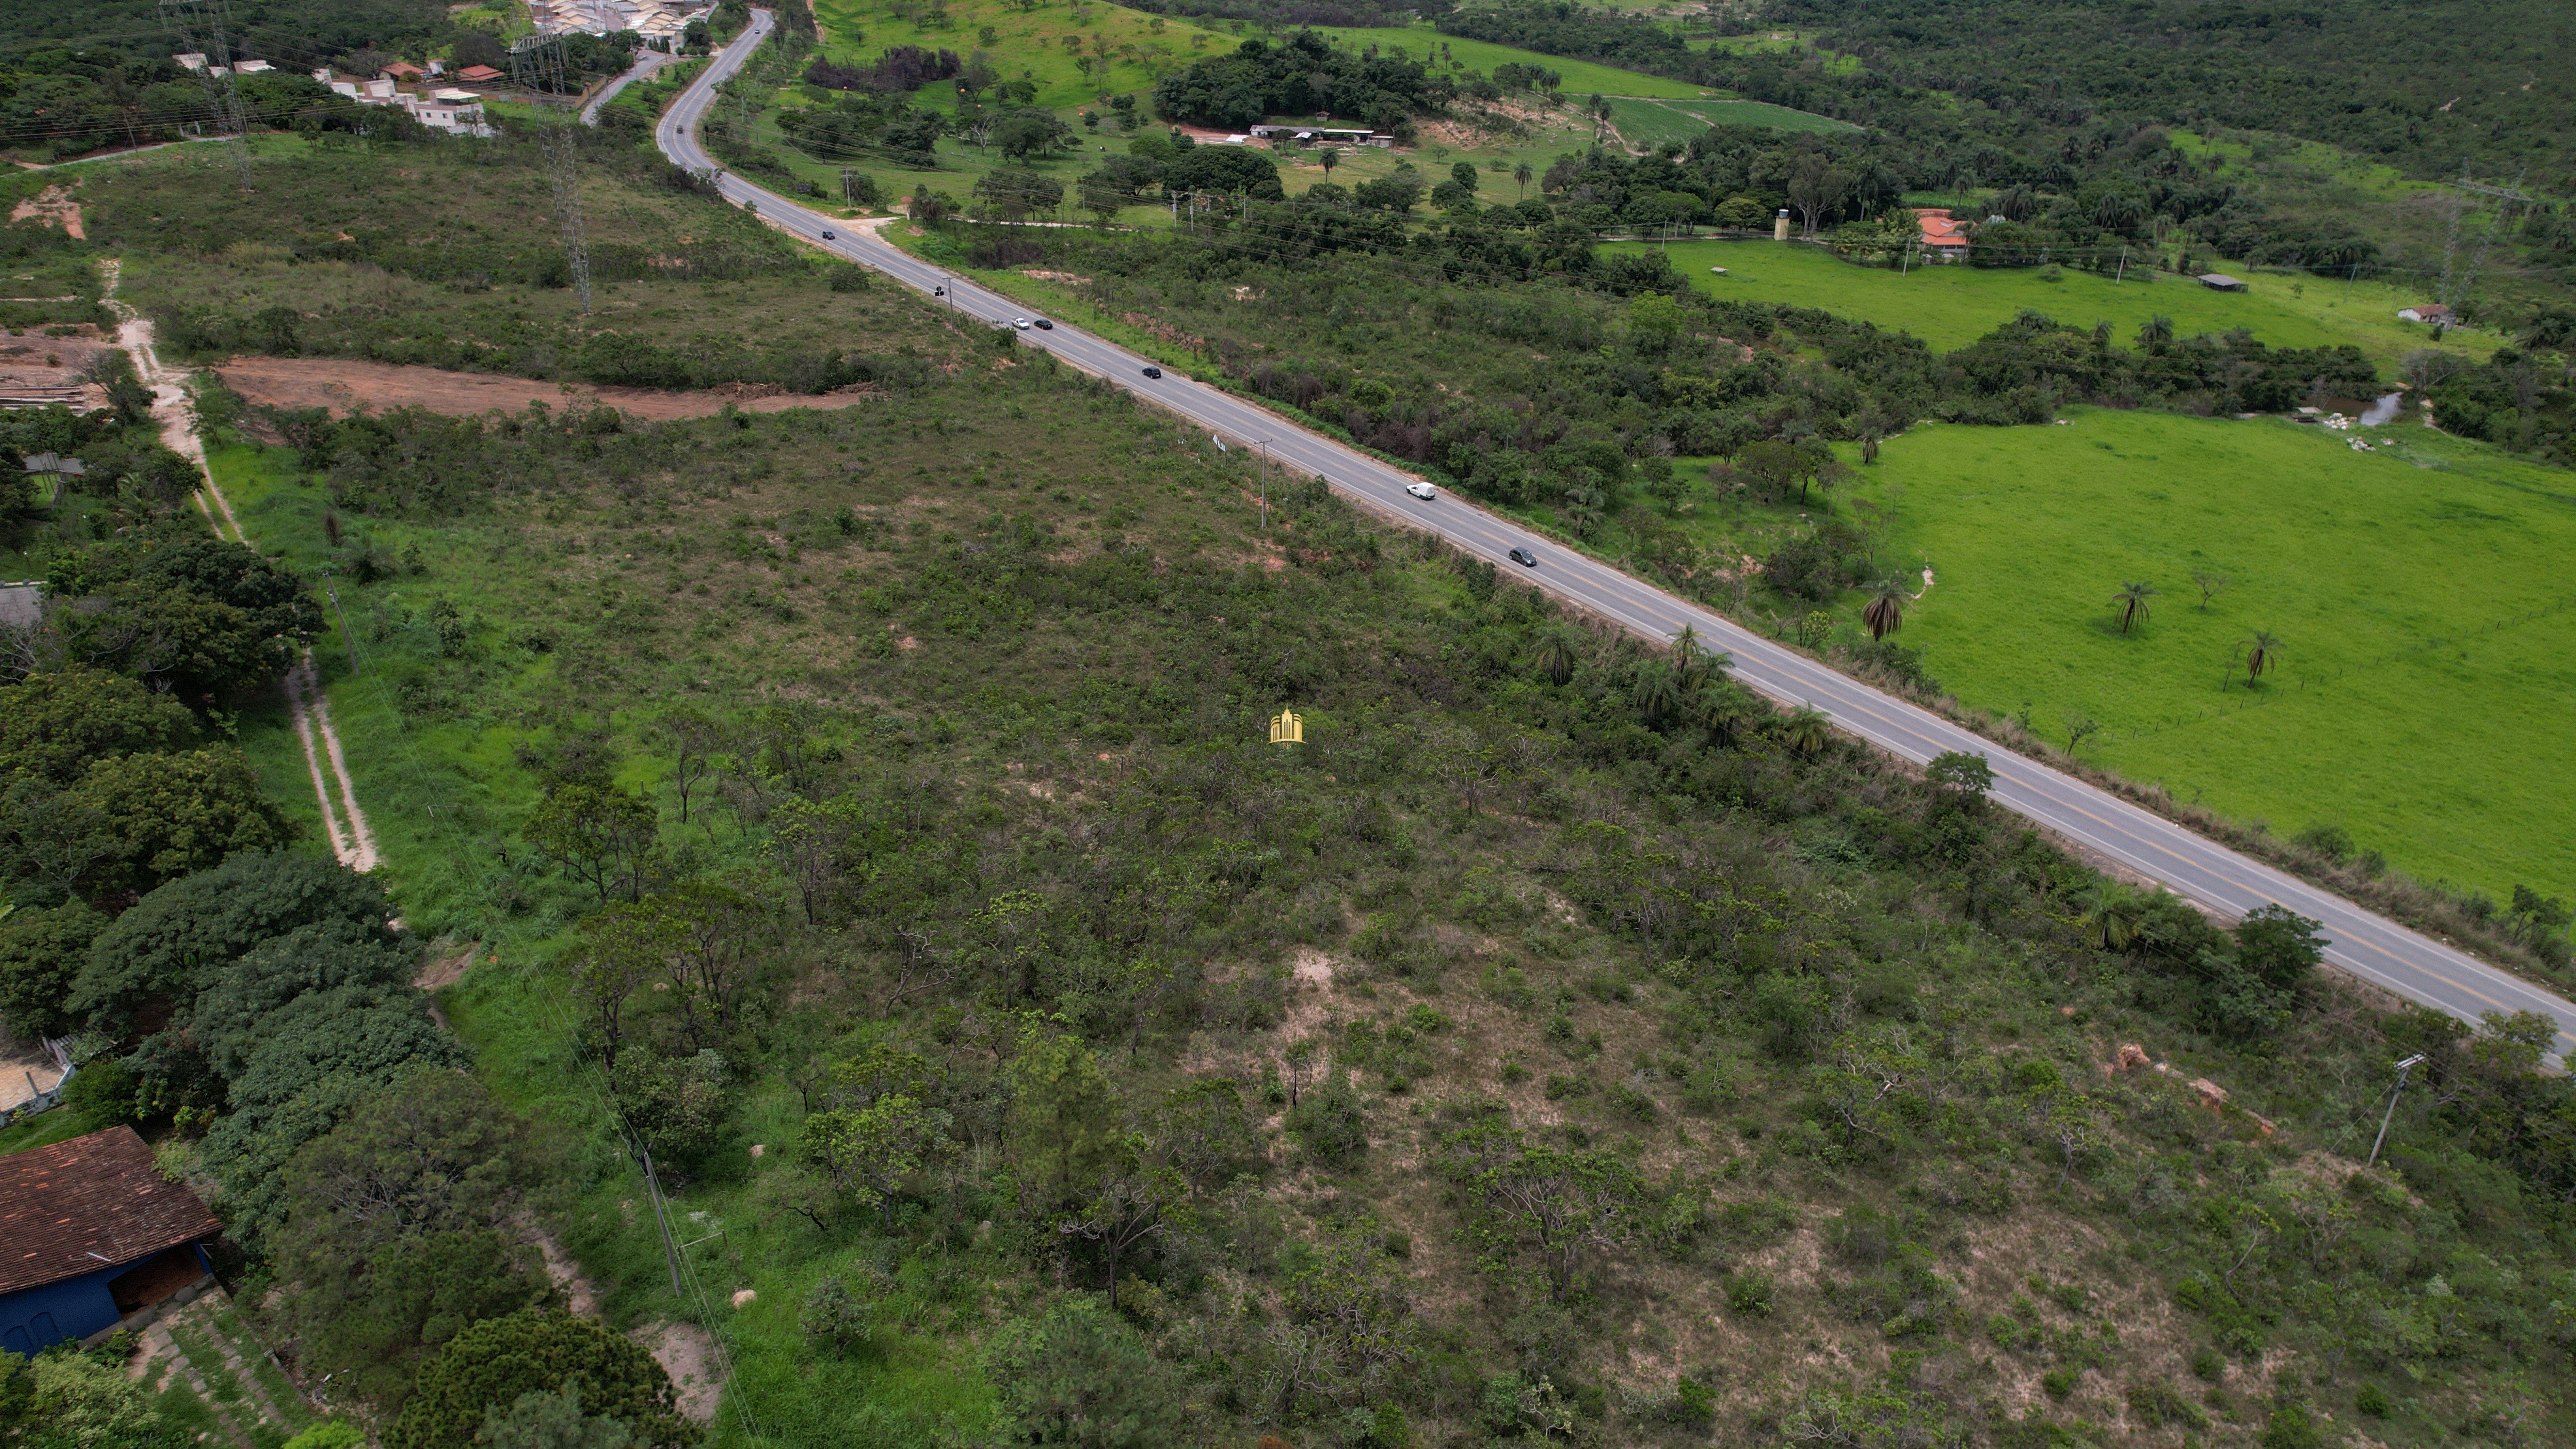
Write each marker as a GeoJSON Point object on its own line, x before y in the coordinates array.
{"type": "Point", "coordinates": [1423, 491]}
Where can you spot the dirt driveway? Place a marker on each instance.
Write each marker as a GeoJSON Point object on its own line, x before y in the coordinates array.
{"type": "Point", "coordinates": [343, 384]}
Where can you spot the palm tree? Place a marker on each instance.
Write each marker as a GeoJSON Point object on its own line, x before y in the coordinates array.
{"type": "Point", "coordinates": [1725, 709]}
{"type": "Point", "coordinates": [2110, 916]}
{"type": "Point", "coordinates": [1658, 695]}
{"type": "Point", "coordinates": [1330, 159]}
{"type": "Point", "coordinates": [2261, 653]}
{"type": "Point", "coordinates": [1807, 730]}
{"type": "Point", "coordinates": [1555, 658]}
{"type": "Point", "coordinates": [1695, 661]}
{"type": "Point", "coordinates": [2131, 601]}
{"type": "Point", "coordinates": [1885, 611]}
{"type": "Point", "coordinates": [1521, 178]}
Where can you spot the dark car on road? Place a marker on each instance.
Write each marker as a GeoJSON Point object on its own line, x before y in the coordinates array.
{"type": "Point", "coordinates": [1153, 372]}
{"type": "Point", "coordinates": [1525, 558]}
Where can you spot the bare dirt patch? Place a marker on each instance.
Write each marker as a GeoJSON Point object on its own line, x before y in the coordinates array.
{"type": "Point", "coordinates": [55, 207]}
{"type": "Point", "coordinates": [688, 1354]}
{"type": "Point", "coordinates": [344, 385]}
{"type": "Point", "coordinates": [440, 972]}
{"type": "Point", "coordinates": [51, 369]}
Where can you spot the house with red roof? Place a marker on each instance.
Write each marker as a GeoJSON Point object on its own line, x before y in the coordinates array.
{"type": "Point", "coordinates": [1943, 239]}
{"type": "Point", "coordinates": [92, 1236]}
{"type": "Point", "coordinates": [478, 75]}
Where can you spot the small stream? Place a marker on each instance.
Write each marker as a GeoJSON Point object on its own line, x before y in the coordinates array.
{"type": "Point", "coordinates": [2383, 411]}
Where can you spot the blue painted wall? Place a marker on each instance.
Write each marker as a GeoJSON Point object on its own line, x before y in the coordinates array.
{"type": "Point", "coordinates": [35, 1318]}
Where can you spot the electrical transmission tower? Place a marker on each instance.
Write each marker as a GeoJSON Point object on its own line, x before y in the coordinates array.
{"type": "Point", "coordinates": [2456, 282]}
{"type": "Point", "coordinates": [537, 64]}
{"type": "Point", "coordinates": [205, 26]}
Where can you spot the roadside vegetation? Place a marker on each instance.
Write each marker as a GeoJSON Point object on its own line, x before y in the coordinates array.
{"type": "Point", "coordinates": [844, 932]}
{"type": "Point", "coordinates": [1338, 1033]}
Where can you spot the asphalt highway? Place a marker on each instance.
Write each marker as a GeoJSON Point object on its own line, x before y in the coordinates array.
{"type": "Point", "coordinates": [2221, 880]}
{"type": "Point", "coordinates": [646, 62]}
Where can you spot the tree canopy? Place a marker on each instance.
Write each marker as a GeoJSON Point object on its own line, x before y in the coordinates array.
{"type": "Point", "coordinates": [491, 1364]}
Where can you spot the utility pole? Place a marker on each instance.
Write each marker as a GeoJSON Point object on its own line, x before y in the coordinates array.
{"type": "Point", "coordinates": [2402, 1069]}
{"type": "Point", "coordinates": [1264, 445]}
{"type": "Point", "coordinates": [346, 637]}
{"type": "Point", "coordinates": [661, 1218]}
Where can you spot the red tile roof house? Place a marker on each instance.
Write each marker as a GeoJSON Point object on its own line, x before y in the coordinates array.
{"type": "Point", "coordinates": [478, 75]}
{"type": "Point", "coordinates": [1942, 238]}
{"type": "Point", "coordinates": [92, 1237]}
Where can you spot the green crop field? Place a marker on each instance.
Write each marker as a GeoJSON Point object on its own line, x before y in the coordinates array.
{"type": "Point", "coordinates": [1951, 306]}
{"type": "Point", "coordinates": [1581, 77]}
{"type": "Point", "coordinates": [2420, 595]}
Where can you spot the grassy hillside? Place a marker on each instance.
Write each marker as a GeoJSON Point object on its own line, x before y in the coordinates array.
{"type": "Point", "coordinates": [1025, 43]}
{"type": "Point", "coordinates": [1952, 306]}
{"type": "Point", "coordinates": [1427, 919]}
{"type": "Point", "coordinates": [1647, 124]}
{"type": "Point", "coordinates": [1581, 77]}
{"type": "Point", "coordinates": [2421, 615]}
{"type": "Point", "coordinates": [1555, 1047]}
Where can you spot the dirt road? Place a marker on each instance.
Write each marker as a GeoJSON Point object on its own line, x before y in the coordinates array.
{"type": "Point", "coordinates": [344, 385]}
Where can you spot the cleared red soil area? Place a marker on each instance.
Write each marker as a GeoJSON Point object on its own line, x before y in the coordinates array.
{"type": "Point", "coordinates": [344, 386]}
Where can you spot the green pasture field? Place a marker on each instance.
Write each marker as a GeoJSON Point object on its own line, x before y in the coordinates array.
{"type": "Point", "coordinates": [1027, 44]}
{"type": "Point", "coordinates": [2420, 593]}
{"type": "Point", "coordinates": [1649, 123]}
{"type": "Point", "coordinates": [1581, 77]}
{"type": "Point", "coordinates": [1951, 306]}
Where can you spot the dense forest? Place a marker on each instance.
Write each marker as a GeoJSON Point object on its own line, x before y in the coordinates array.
{"type": "Point", "coordinates": [2428, 87]}
{"type": "Point", "coordinates": [2051, 106]}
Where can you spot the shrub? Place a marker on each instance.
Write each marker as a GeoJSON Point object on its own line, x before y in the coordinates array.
{"type": "Point", "coordinates": [1328, 1124]}
{"type": "Point", "coordinates": [1693, 1405]}
{"type": "Point", "coordinates": [538, 1351]}
{"type": "Point", "coordinates": [2372, 1400]}
{"type": "Point", "coordinates": [1751, 1293]}
{"type": "Point", "coordinates": [836, 1318]}
{"type": "Point", "coordinates": [2157, 1403]}
{"type": "Point", "coordinates": [2290, 1427]}
{"type": "Point", "coordinates": [1081, 1376]}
